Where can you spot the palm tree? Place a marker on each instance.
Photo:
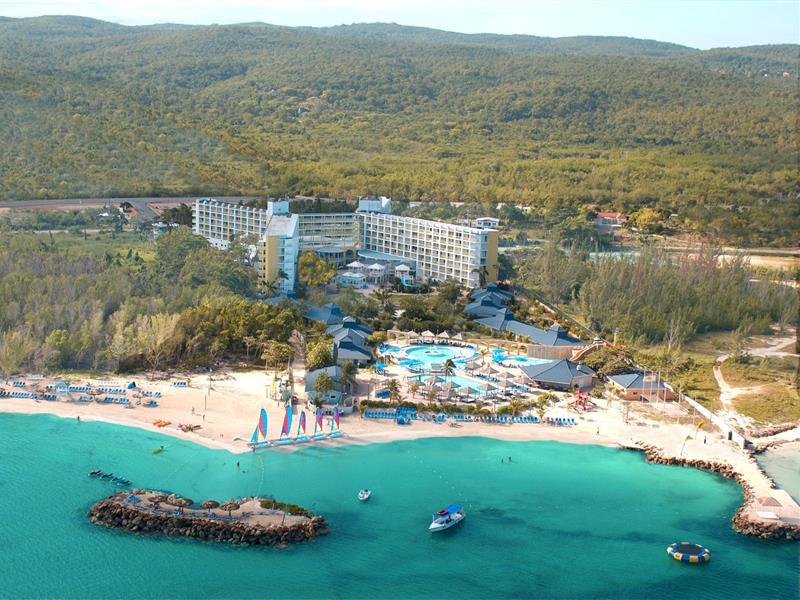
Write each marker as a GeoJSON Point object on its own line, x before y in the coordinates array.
{"type": "Point", "coordinates": [394, 390]}
{"type": "Point", "coordinates": [348, 378]}
{"type": "Point", "coordinates": [484, 354]}
{"type": "Point", "coordinates": [414, 387]}
{"type": "Point", "coordinates": [516, 406]}
{"type": "Point", "coordinates": [431, 395]}
{"type": "Point", "coordinates": [483, 274]}
{"type": "Point", "coordinates": [449, 368]}
{"type": "Point", "coordinates": [382, 296]}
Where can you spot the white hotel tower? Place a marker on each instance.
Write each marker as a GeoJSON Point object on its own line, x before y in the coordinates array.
{"type": "Point", "coordinates": [433, 250]}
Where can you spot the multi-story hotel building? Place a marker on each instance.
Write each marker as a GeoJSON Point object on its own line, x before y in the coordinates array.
{"type": "Point", "coordinates": [275, 232]}
{"type": "Point", "coordinates": [334, 236]}
{"type": "Point", "coordinates": [432, 250]}
{"type": "Point", "coordinates": [438, 251]}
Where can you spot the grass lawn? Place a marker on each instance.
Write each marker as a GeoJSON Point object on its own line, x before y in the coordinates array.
{"type": "Point", "coordinates": [97, 244]}
{"type": "Point", "coordinates": [776, 403]}
{"type": "Point", "coordinates": [779, 370]}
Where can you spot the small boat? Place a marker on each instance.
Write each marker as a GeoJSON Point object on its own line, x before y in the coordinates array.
{"type": "Point", "coordinates": [364, 495]}
{"type": "Point", "coordinates": [447, 518]}
{"type": "Point", "coordinates": [106, 476]}
{"type": "Point", "coordinates": [95, 473]}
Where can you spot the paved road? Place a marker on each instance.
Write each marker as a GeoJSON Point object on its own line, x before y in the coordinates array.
{"type": "Point", "coordinates": [141, 204]}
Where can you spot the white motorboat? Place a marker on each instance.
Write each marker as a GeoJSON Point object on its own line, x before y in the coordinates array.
{"type": "Point", "coordinates": [364, 495]}
{"type": "Point", "coordinates": [447, 518]}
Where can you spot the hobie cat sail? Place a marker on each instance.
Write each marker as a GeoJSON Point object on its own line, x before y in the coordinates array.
{"type": "Point", "coordinates": [335, 431]}
{"type": "Point", "coordinates": [287, 422]}
{"type": "Point", "coordinates": [301, 427]}
{"type": "Point", "coordinates": [259, 437]}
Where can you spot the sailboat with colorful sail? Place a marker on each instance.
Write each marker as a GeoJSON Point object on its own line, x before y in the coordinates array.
{"type": "Point", "coordinates": [286, 429]}
{"type": "Point", "coordinates": [319, 427]}
{"type": "Point", "coordinates": [259, 437]}
{"type": "Point", "coordinates": [335, 431]}
{"type": "Point", "coordinates": [301, 428]}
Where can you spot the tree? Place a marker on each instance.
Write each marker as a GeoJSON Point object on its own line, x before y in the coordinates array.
{"type": "Point", "coordinates": [414, 388]}
{"type": "Point", "coordinates": [323, 384]}
{"type": "Point", "coordinates": [276, 354]}
{"type": "Point", "coordinates": [516, 406]}
{"type": "Point", "coordinates": [349, 373]}
{"type": "Point", "coordinates": [15, 347]}
{"type": "Point", "coordinates": [483, 275]}
{"type": "Point", "coordinates": [541, 404]}
{"type": "Point", "coordinates": [152, 333]}
{"type": "Point", "coordinates": [449, 368]}
{"type": "Point", "coordinates": [394, 390]}
{"type": "Point", "coordinates": [173, 249]}
{"type": "Point", "coordinates": [319, 354]}
{"type": "Point", "coordinates": [312, 271]}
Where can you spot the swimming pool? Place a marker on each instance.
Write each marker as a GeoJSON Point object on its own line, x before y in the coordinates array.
{"type": "Point", "coordinates": [517, 361]}
{"type": "Point", "coordinates": [425, 355]}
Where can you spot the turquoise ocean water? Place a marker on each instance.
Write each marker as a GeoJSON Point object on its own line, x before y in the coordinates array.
{"type": "Point", "coordinates": [560, 521]}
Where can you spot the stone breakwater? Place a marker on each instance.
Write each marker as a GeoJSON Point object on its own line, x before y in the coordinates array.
{"type": "Point", "coordinates": [743, 520]}
{"type": "Point", "coordinates": [115, 512]}
{"type": "Point", "coordinates": [771, 430]}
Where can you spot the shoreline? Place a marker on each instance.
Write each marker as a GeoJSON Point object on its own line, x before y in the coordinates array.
{"type": "Point", "coordinates": [221, 415]}
{"type": "Point", "coordinates": [745, 520]}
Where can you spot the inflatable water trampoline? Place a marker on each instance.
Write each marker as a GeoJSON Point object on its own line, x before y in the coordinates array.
{"type": "Point", "coordinates": [688, 552]}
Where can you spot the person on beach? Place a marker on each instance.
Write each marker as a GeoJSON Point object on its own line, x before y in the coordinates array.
{"type": "Point", "coordinates": [193, 410]}
{"type": "Point", "coordinates": [79, 418]}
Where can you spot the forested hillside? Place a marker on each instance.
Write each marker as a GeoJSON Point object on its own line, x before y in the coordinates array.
{"type": "Point", "coordinates": [89, 108]}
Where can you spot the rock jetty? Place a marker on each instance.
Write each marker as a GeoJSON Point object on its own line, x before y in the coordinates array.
{"type": "Point", "coordinates": [267, 528]}
{"type": "Point", "coordinates": [743, 520]}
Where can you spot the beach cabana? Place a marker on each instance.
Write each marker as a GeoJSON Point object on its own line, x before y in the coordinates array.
{"type": "Point", "coordinates": [428, 336]}
{"type": "Point", "coordinates": [443, 335]}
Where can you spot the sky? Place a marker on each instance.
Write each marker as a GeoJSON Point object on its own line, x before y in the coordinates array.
{"type": "Point", "coordinates": [696, 23]}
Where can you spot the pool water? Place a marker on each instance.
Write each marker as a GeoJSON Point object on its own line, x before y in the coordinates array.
{"type": "Point", "coordinates": [518, 361]}
{"type": "Point", "coordinates": [428, 354]}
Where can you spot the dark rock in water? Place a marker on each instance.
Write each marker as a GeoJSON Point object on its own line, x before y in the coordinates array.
{"type": "Point", "coordinates": [115, 512]}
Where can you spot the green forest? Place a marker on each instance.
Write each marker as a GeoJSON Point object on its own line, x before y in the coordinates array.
{"type": "Point", "coordinates": [705, 139]}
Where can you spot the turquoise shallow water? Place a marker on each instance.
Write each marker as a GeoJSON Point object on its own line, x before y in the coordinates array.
{"type": "Point", "coordinates": [561, 521]}
{"type": "Point", "coordinates": [783, 465]}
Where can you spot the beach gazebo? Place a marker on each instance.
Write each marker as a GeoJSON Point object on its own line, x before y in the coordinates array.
{"type": "Point", "coordinates": [356, 266]}
{"type": "Point", "coordinates": [402, 271]}
{"type": "Point", "coordinates": [376, 272]}
{"type": "Point", "coordinates": [428, 336]}
{"type": "Point", "coordinates": [443, 336]}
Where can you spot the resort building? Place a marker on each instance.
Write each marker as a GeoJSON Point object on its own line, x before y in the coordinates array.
{"type": "Point", "coordinates": [278, 250]}
{"type": "Point", "coordinates": [390, 245]}
{"type": "Point", "coordinates": [640, 386]}
{"type": "Point", "coordinates": [274, 231]}
{"type": "Point", "coordinates": [487, 223]}
{"type": "Point", "coordinates": [438, 251]}
{"type": "Point", "coordinates": [562, 375]}
{"type": "Point", "coordinates": [333, 236]}
{"type": "Point", "coordinates": [610, 219]}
